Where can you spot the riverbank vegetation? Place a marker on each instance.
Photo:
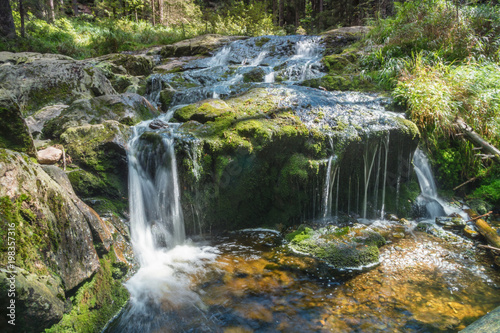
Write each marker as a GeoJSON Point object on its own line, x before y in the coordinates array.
{"type": "Point", "coordinates": [441, 62]}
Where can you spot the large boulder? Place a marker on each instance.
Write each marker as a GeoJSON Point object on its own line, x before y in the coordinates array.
{"type": "Point", "coordinates": [33, 80]}
{"type": "Point", "coordinates": [58, 243]}
{"type": "Point", "coordinates": [265, 155]}
{"type": "Point", "coordinates": [100, 151]}
{"type": "Point", "coordinates": [128, 109]}
{"type": "Point", "coordinates": [200, 45]}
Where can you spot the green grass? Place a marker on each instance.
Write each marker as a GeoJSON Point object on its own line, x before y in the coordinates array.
{"type": "Point", "coordinates": [87, 36]}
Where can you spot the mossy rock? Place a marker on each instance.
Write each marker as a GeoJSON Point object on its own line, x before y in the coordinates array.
{"type": "Point", "coordinates": [42, 80]}
{"type": "Point", "coordinates": [126, 108]}
{"type": "Point", "coordinates": [14, 133]}
{"type": "Point", "coordinates": [202, 112]}
{"type": "Point", "coordinates": [97, 301]}
{"type": "Point", "coordinates": [200, 45]}
{"type": "Point", "coordinates": [255, 75]}
{"type": "Point", "coordinates": [342, 248]}
{"type": "Point", "coordinates": [342, 82]}
{"type": "Point", "coordinates": [135, 65]}
{"type": "Point", "coordinates": [166, 96]}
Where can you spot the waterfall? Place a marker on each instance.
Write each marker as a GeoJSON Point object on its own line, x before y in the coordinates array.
{"type": "Point", "coordinates": [157, 229]}
{"type": "Point", "coordinates": [428, 196]}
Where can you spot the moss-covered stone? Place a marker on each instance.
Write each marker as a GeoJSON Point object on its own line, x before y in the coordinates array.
{"type": "Point", "coordinates": [14, 133]}
{"type": "Point", "coordinates": [342, 248]}
{"type": "Point", "coordinates": [200, 45]}
{"type": "Point", "coordinates": [126, 108]}
{"type": "Point", "coordinates": [44, 80]}
{"type": "Point", "coordinates": [97, 301]}
{"type": "Point", "coordinates": [100, 151]}
{"type": "Point", "coordinates": [255, 75]}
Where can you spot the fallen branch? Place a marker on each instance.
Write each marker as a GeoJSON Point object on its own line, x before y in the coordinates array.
{"type": "Point", "coordinates": [477, 139]}
{"type": "Point", "coordinates": [484, 228]}
{"type": "Point", "coordinates": [478, 217]}
{"type": "Point", "coordinates": [467, 182]}
{"type": "Point", "coordinates": [489, 247]}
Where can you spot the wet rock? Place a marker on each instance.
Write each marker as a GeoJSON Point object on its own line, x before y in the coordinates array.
{"type": "Point", "coordinates": [157, 124]}
{"type": "Point", "coordinates": [488, 323]}
{"type": "Point", "coordinates": [471, 232]}
{"type": "Point", "coordinates": [37, 80]}
{"type": "Point", "coordinates": [50, 155]}
{"type": "Point", "coordinates": [202, 112]}
{"type": "Point", "coordinates": [451, 222]}
{"type": "Point", "coordinates": [200, 45]}
{"type": "Point", "coordinates": [254, 75]}
{"type": "Point", "coordinates": [126, 108]}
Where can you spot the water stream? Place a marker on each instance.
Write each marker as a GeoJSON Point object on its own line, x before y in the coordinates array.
{"type": "Point", "coordinates": [248, 281]}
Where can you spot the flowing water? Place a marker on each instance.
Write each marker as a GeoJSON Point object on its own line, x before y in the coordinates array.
{"type": "Point", "coordinates": [249, 281]}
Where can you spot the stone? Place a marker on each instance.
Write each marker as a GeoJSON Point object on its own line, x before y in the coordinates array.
{"type": "Point", "coordinates": [50, 155]}
{"type": "Point", "coordinates": [488, 323]}
{"type": "Point", "coordinates": [127, 108]}
{"type": "Point", "coordinates": [14, 133]}
{"type": "Point", "coordinates": [451, 222]}
{"type": "Point", "coordinates": [36, 121]}
{"type": "Point", "coordinates": [172, 65]}
{"type": "Point", "coordinates": [65, 245]}
{"type": "Point", "coordinates": [343, 248]}
{"type": "Point", "coordinates": [157, 124]}
{"type": "Point", "coordinates": [40, 299]}
{"type": "Point", "coordinates": [471, 232]}
{"type": "Point", "coordinates": [36, 80]}
{"type": "Point", "coordinates": [200, 45]}
{"type": "Point", "coordinates": [135, 65]}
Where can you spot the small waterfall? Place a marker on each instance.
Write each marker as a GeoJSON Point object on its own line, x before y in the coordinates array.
{"type": "Point", "coordinates": [368, 160]}
{"type": "Point", "coordinates": [167, 263]}
{"type": "Point", "coordinates": [384, 184]}
{"type": "Point", "coordinates": [428, 196]}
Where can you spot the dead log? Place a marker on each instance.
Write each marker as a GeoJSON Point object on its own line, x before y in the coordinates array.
{"type": "Point", "coordinates": [484, 229]}
{"type": "Point", "coordinates": [477, 139]}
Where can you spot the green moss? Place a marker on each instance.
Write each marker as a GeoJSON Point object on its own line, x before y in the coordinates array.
{"type": "Point", "coordinates": [96, 302]}
{"type": "Point", "coordinates": [261, 41]}
{"type": "Point", "coordinates": [299, 235]}
{"type": "Point", "coordinates": [14, 133]}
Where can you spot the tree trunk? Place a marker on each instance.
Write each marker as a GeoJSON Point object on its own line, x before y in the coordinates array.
{"type": "Point", "coordinates": [484, 229]}
{"type": "Point", "coordinates": [296, 5]}
{"type": "Point", "coordinates": [477, 139]}
{"type": "Point", "coordinates": [75, 7]}
{"type": "Point", "coordinates": [275, 12]}
{"type": "Point", "coordinates": [320, 16]}
{"type": "Point", "coordinates": [281, 13]}
{"type": "Point", "coordinates": [52, 12]}
{"type": "Point", "coordinates": [21, 13]}
{"type": "Point", "coordinates": [7, 27]}
{"type": "Point", "coordinates": [160, 11]}
{"type": "Point", "coordinates": [153, 19]}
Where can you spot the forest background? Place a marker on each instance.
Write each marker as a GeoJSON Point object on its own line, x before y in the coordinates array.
{"type": "Point", "coordinates": [438, 59]}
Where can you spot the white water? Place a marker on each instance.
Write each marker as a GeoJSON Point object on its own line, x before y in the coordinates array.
{"type": "Point", "coordinates": [428, 197]}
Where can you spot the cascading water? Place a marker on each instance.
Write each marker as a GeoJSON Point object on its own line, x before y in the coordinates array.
{"type": "Point", "coordinates": [162, 282]}
{"type": "Point", "coordinates": [428, 196]}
